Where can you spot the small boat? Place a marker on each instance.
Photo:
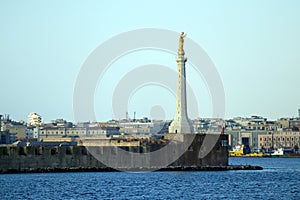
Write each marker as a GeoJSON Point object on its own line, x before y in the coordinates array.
{"type": "Point", "coordinates": [278, 152]}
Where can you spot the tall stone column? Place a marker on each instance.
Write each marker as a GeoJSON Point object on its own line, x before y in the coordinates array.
{"type": "Point", "coordinates": [181, 123]}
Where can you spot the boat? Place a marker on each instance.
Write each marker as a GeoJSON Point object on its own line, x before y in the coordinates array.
{"type": "Point", "coordinates": [238, 150]}
{"type": "Point", "coordinates": [278, 152]}
{"type": "Point", "coordinates": [255, 154]}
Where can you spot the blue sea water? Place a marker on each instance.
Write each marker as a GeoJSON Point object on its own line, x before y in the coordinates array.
{"type": "Point", "coordinates": [280, 179]}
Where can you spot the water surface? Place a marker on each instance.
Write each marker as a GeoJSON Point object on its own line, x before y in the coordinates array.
{"type": "Point", "coordinates": [280, 179]}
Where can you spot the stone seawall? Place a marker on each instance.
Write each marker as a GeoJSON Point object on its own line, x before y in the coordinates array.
{"type": "Point", "coordinates": [78, 158]}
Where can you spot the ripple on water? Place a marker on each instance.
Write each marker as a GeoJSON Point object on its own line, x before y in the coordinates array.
{"type": "Point", "coordinates": [278, 180]}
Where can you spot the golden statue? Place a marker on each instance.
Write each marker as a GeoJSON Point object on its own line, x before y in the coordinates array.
{"type": "Point", "coordinates": [180, 49]}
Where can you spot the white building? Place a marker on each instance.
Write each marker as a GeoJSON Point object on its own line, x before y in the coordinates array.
{"type": "Point", "coordinates": [141, 128]}
{"type": "Point", "coordinates": [33, 133]}
{"type": "Point", "coordinates": [34, 119]}
{"type": "Point", "coordinates": [59, 132]}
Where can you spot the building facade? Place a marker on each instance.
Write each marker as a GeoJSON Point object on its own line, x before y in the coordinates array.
{"type": "Point", "coordinates": [142, 128]}
{"type": "Point", "coordinates": [287, 139]}
{"type": "Point", "coordinates": [34, 119]}
{"type": "Point", "coordinates": [15, 128]}
{"type": "Point", "coordinates": [74, 132]}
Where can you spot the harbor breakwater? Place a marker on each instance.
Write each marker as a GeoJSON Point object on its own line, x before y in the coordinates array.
{"type": "Point", "coordinates": [18, 159]}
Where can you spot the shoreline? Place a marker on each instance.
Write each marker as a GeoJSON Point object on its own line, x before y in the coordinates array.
{"type": "Point", "coordinates": [108, 169]}
{"type": "Point", "coordinates": [264, 157]}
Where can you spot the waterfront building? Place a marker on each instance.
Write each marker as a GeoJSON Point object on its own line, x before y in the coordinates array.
{"type": "Point", "coordinates": [73, 132]}
{"type": "Point", "coordinates": [142, 128]}
{"type": "Point", "coordinates": [247, 130]}
{"type": "Point", "coordinates": [102, 131]}
{"type": "Point", "coordinates": [181, 122]}
{"type": "Point", "coordinates": [280, 139]}
{"type": "Point", "coordinates": [249, 138]}
{"type": "Point", "coordinates": [54, 132]}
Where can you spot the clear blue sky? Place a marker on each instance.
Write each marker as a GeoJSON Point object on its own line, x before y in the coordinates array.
{"type": "Point", "coordinates": [254, 44]}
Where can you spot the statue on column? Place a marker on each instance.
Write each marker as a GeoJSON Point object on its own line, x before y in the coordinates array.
{"type": "Point", "coordinates": [181, 41]}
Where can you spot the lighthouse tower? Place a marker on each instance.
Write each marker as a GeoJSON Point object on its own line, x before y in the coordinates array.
{"type": "Point", "coordinates": [181, 123]}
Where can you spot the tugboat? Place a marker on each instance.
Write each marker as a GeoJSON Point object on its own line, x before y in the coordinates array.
{"type": "Point", "coordinates": [238, 150]}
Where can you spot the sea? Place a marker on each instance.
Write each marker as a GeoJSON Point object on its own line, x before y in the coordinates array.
{"type": "Point", "coordinates": [280, 179]}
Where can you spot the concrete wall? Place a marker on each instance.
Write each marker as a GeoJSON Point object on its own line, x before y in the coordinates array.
{"type": "Point", "coordinates": [64, 158]}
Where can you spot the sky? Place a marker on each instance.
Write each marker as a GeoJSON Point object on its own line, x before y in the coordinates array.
{"type": "Point", "coordinates": [254, 45]}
